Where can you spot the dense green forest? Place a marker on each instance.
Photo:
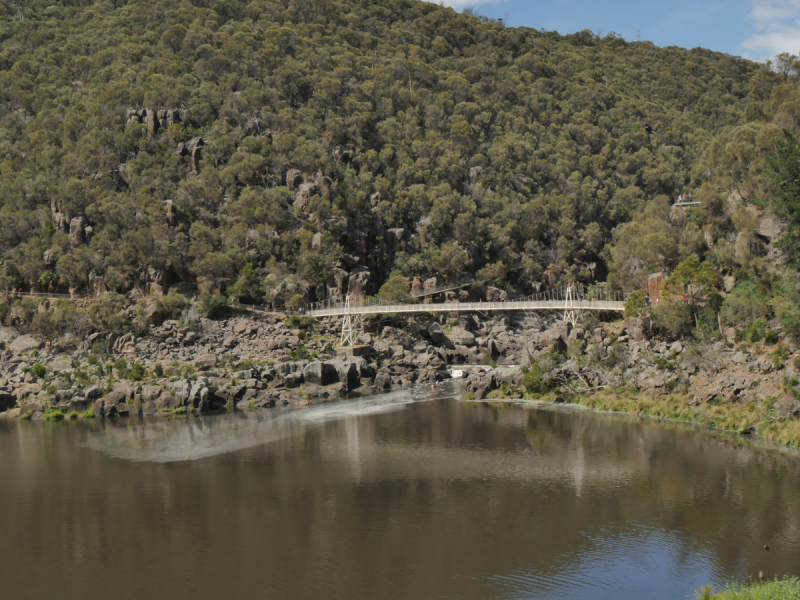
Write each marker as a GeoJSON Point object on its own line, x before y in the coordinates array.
{"type": "Point", "coordinates": [272, 148]}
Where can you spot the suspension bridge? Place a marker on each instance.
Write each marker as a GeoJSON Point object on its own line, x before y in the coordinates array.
{"type": "Point", "coordinates": [570, 299]}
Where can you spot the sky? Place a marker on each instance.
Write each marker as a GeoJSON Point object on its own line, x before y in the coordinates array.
{"type": "Point", "coordinates": [754, 29]}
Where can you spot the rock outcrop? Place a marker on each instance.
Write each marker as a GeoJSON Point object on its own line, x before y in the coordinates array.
{"type": "Point", "coordinates": [193, 149]}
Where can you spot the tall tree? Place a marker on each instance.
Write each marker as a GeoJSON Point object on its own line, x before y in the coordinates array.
{"type": "Point", "coordinates": [785, 171]}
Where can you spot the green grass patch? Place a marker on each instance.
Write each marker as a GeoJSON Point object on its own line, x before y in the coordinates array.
{"type": "Point", "coordinates": [53, 415]}
{"type": "Point", "coordinates": [787, 588]}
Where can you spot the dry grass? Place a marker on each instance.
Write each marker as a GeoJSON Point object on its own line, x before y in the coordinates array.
{"type": "Point", "coordinates": [739, 418]}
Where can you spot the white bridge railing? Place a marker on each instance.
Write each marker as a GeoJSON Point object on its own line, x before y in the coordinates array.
{"type": "Point", "coordinates": [569, 297]}
{"type": "Point", "coordinates": [391, 308]}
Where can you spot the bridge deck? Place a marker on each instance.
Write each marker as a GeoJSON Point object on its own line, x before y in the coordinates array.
{"type": "Point", "coordinates": [383, 309]}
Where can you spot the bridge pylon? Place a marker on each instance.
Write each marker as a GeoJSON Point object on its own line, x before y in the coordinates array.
{"type": "Point", "coordinates": [570, 313]}
{"type": "Point", "coordinates": [352, 325]}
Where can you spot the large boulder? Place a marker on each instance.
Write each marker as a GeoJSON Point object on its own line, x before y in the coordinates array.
{"type": "Point", "coordinates": [359, 281]}
{"type": "Point", "coordinates": [205, 361]}
{"type": "Point", "coordinates": [337, 284]}
{"type": "Point", "coordinates": [494, 294]}
{"type": "Point", "coordinates": [151, 392]}
{"type": "Point", "coordinates": [510, 376]}
{"type": "Point", "coordinates": [319, 373]}
{"type": "Point", "coordinates": [344, 153]}
{"type": "Point", "coordinates": [302, 195]}
{"type": "Point", "coordinates": [77, 231]}
{"type": "Point", "coordinates": [60, 365]}
{"type": "Point", "coordinates": [435, 332]}
{"type": "Point", "coordinates": [294, 178]}
{"type": "Point", "coordinates": [350, 371]}
{"type": "Point", "coordinates": [193, 149]}
{"type": "Point", "coordinates": [462, 337]}
{"type": "Point", "coordinates": [25, 343]}
{"type": "Point", "coordinates": [560, 330]}
{"type": "Point", "coordinates": [93, 393]}
{"type": "Point", "coordinates": [430, 284]}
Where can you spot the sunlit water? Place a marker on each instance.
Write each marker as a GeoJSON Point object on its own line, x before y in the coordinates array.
{"type": "Point", "coordinates": [406, 495]}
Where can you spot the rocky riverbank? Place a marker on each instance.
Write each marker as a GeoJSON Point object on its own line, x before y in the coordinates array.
{"type": "Point", "coordinates": [255, 360]}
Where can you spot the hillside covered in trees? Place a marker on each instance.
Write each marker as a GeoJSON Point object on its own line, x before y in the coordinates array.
{"type": "Point", "coordinates": [271, 148]}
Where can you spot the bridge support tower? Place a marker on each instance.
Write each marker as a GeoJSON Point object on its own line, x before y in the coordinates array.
{"type": "Point", "coordinates": [352, 325]}
{"type": "Point", "coordinates": [570, 313]}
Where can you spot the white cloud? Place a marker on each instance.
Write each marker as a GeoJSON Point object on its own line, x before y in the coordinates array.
{"type": "Point", "coordinates": [778, 28]}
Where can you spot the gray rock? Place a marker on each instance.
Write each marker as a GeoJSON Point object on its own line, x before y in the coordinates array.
{"type": "Point", "coordinates": [57, 366]}
{"type": "Point", "coordinates": [508, 375]}
{"type": "Point", "coordinates": [293, 380]}
{"type": "Point", "coordinates": [151, 392]}
{"type": "Point", "coordinates": [559, 330]}
{"type": "Point", "coordinates": [494, 294]}
{"type": "Point", "coordinates": [25, 343]}
{"type": "Point", "coordinates": [383, 381]}
{"type": "Point", "coordinates": [113, 398]}
{"type": "Point", "coordinates": [462, 337]}
{"type": "Point", "coordinates": [93, 393]}
{"type": "Point", "coordinates": [319, 373]}
{"type": "Point", "coordinates": [205, 361]}
{"type": "Point", "coordinates": [77, 233]}
{"type": "Point", "coordinates": [436, 333]}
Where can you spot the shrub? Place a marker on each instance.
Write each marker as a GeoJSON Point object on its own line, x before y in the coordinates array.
{"type": "Point", "coordinates": [53, 415]}
{"type": "Point", "coordinates": [790, 320]}
{"type": "Point", "coordinates": [298, 322]}
{"type": "Point", "coordinates": [100, 347]}
{"type": "Point", "coordinates": [137, 372]}
{"type": "Point", "coordinates": [779, 357]}
{"type": "Point", "coordinates": [756, 331]}
{"type": "Point", "coordinates": [299, 353]}
{"type": "Point", "coordinates": [674, 319]}
{"type": "Point", "coordinates": [395, 288]}
{"type": "Point", "coordinates": [636, 303]}
{"type": "Point", "coordinates": [159, 370]}
{"type": "Point", "coordinates": [296, 301]}
{"type": "Point", "coordinates": [536, 379]}
{"type": "Point", "coordinates": [38, 370]}
{"type": "Point", "coordinates": [213, 306]}
{"type": "Point", "coordinates": [747, 303]}
{"type": "Point", "coordinates": [172, 303]}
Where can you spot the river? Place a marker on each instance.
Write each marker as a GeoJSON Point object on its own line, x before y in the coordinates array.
{"type": "Point", "coordinates": [408, 495]}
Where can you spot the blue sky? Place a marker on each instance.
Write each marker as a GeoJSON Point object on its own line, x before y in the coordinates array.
{"type": "Point", "coordinates": [755, 29]}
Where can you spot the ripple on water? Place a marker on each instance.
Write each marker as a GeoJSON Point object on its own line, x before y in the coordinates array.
{"type": "Point", "coordinates": [619, 565]}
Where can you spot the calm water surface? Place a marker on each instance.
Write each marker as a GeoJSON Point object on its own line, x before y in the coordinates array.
{"type": "Point", "coordinates": [410, 495]}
